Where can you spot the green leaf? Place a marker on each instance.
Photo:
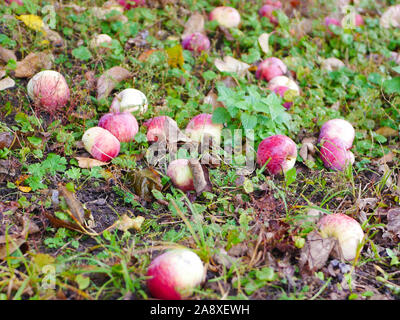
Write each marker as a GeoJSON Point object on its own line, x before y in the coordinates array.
{"type": "Point", "coordinates": [290, 176]}
{"type": "Point", "coordinates": [209, 75]}
{"type": "Point", "coordinates": [248, 121]}
{"type": "Point", "coordinates": [220, 115]}
{"type": "Point", "coordinates": [397, 69]}
{"type": "Point", "coordinates": [82, 281]}
{"type": "Point", "coordinates": [392, 85]}
{"type": "Point", "coordinates": [82, 53]}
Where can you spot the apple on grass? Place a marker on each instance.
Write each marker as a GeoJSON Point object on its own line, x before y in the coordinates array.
{"type": "Point", "coordinates": [129, 100]}
{"type": "Point", "coordinates": [181, 175]}
{"type": "Point", "coordinates": [101, 144]}
{"type": "Point", "coordinates": [201, 126]}
{"type": "Point", "coordinates": [174, 274]}
{"type": "Point", "coordinates": [280, 151]}
{"type": "Point", "coordinates": [267, 11]}
{"type": "Point", "coordinates": [270, 68]}
{"type": "Point", "coordinates": [346, 230]}
{"type": "Point", "coordinates": [338, 129]}
{"type": "Point", "coordinates": [123, 126]}
{"type": "Point", "coordinates": [196, 42]}
{"type": "Point", "coordinates": [227, 17]}
{"type": "Point", "coordinates": [335, 155]}
{"type": "Point", "coordinates": [283, 81]}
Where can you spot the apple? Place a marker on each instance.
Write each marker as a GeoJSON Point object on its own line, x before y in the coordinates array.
{"type": "Point", "coordinates": [338, 129]}
{"type": "Point", "coordinates": [280, 90]}
{"type": "Point", "coordinates": [174, 274]}
{"type": "Point", "coordinates": [346, 230]}
{"type": "Point", "coordinates": [280, 150]}
{"type": "Point", "coordinates": [19, 2]}
{"type": "Point", "coordinates": [335, 155]}
{"type": "Point", "coordinates": [359, 20]}
{"type": "Point", "coordinates": [49, 89]}
{"type": "Point", "coordinates": [283, 81]}
{"type": "Point", "coordinates": [227, 17]}
{"type": "Point", "coordinates": [181, 175]}
{"type": "Point", "coordinates": [267, 11]}
{"type": "Point", "coordinates": [202, 125]}
{"type": "Point", "coordinates": [98, 40]}
{"type": "Point", "coordinates": [129, 100]}
{"type": "Point", "coordinates": [129, 4]}
{"type": "Point", "coordinates": [196, 42]}
{"type": "Point", "coordinates": [123, 126]}
{"type": "Point", "coordinates": [331, 21]}
{"type": "Point", "coordinates": [270, 68]}
{"type": "Point", "coordinates": [101, 144]}
{"type": "Point", "coordinates": [158, 127]}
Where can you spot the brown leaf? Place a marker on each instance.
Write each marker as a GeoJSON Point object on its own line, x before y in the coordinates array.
{"type": "Point", "coordinates": [391, 17]}
{"type": "Point", "coordinates": [6, 83]}
{"type": "Point", "coordinates": [143, 182]}
{"type": "Point", "coordinates": [9, 244]}
{"type": "Point", "coordinates": [302, 28]}
{"type": "Point", "coordinates": [109, 79]}
{"type": "Point", "coordinates": [125, 223]}
{"type": "Point", "coordinates": [393, 224]}
{"type": "Point", "coordinates": [73, 203]}
{"type": "Point", "coordinates": [229, 64]}
{"type": "Point", "coordinates": [200, 176]}
{"type": "Point", "coordinates": [87, 163]}
{"type": "Point", "coordinates": [6, 55]}
{"type": "Point", "coordinates": [387, 132]}
{"type": "Point", "coordinates": [315, 252]}
{"type": "Point", "coordinates": [33, 63]}
{"type": "Point", "coordinates": [263, 41]}
{"type": "Point", "coordinates": [194, 24]}
{"type": "Point", "coordinates": [6, 140]}
{"type": "Point", "coordinates": [212, 99]}
{"type": "Point", "coordinates": [387, 158]}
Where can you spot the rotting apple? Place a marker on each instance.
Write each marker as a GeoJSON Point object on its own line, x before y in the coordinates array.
{"type": "Point", "coordinates": [201, 126]}
{"type": "Point", "coordinates": [338, 129]}
{"type": "Point", "coordinates": [270, 68]}
{"type": "Point", "coordinates": [130, 100]}
{"type": "Point", "coordinates": [335, 155]}
{"type": "Point", "coordinates": [123, 126]}
{"type": "Point", "coordinates": [49, 89]}
{"type": "Point", "coordinates": [181, 175]}
{"type": "Point", "coordinates": [284, 82]}
{"type": "Point", "coordinates": [174, 274]}
{"type": "Point", "coordinates": [346, 230]}
{"type": "Point", "coordinates": [196, 42]}
{"type": "Point", "coordinates": [227, 17]}
{"type": "Point", "coordinates": [101, 143]}
{"type": "Point", "coordinates": [280, 151]}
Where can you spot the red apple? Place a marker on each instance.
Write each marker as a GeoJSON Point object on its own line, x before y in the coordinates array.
{"type": "Point", "coordinates": [181, 174]}
{"type": "Point", "coordinates": [346, 230]}
{"type": "Point", "coordinates": [335, 155]}
{"type": "Point", "coordinates": [227, 17]}
{"type": "Point", "coordinates": [49, 90]}
{"type": "Point", "coordinates": [129, 100]}
{"type": "Point", "coordinates": [158, 127]}
{"type": "Point", "coordinates": [283, 81]}
{"type": "Point", "coordinates": [270, 68]}
{"type": "Point", "coordinates": [267, 11]}
{"type": "Point", "coordinates": [174, 274]}
{"type": "Point", "coordinates": [280, 90]}
{"type": "Point", "coordinates": [19, 2]}
{"type": "Point", "coordinates": [196, 42]}
{"type": "Point", "coordinates": [338, 129]}
{"type": "Point", "coordinates": [331, 21]}
{"type": "Point", "coordinates": [359, 20]}
{"type": "Point", "coordinates": [129, 4]}
{"type": "Point", "coordinates": [280, 150]}
{"type": "Point", "coordinates": [202, 125]}
{"type": "Point", "coordinates": [101, 144]}
{"type": "Point", "coordinates": [123, 126]}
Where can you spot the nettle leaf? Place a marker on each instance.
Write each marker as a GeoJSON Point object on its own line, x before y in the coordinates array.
{"type": "Point", "coordinates": [248, 121]}
{"type": "Point", "coordinates": [392, 85]}
{"type": "Point", "coordinates": [221, 115]}
{"type": "Point", "coordinates": [55, 163]}
{"type": "Point", "coordinates": [82, 53]}
{"type": "Point", "coordinates": [275, 106]}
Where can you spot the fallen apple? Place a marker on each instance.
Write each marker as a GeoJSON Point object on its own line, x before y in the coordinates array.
{"type": "Point", "coordinates": [19, 2]}
{"type": "Point", "coordinates": [335, 155]}
{"type": "Point", "coordinates": [267, 11]}
{"type": "Point", "coordinates": [196, 42]}
{"type": "Point", "coordinates": [338, 129]}
{"type": "Point", "coordinates": [129, 4]}
{"type": "Point", "coordinates": [129, 100]}
{"type": "Point", "coordinates": [331, 21]}
{"type": "Point", "coordinates": [201, 126]}
{"type": "Point", "coordinates": [98, 41]}
{"type": "Point", "coordinates": [227, 17]}
{"type": "Point", "coordinates": [346, 230]}
{"type": "Point", "coordinates": [283, 81]}
{"type": "Point", "coordinates": [49, 90]}
{"type": "Point", "coordinates": [174, 274]}
{"type": "Point", "coordinates": [280, 151]}
{"type": "Point", "coordinates": [123, 126]}
{"type": "Point", "coordinates": [181, 174]}
{"type": "Point", "coordinates": [101, 144]}
{"type": "Point", "coordinates": [280, 90]}
{"type": "Point", "coordinates": [270, 68]}
{"type": "Point", "coordinates": [158, 127]}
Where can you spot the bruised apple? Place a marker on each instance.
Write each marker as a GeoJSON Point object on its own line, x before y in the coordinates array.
{"type": "Point", "coordinates": [201, 126]}
{"type": "Point", "coordinates": [227, 17]}
{"type": "Point", "coordinates": [335, 155]}
{"type": "Point", "coordinates": [181, 175]}
{"type": "Point", "coordinates": [283, 81]}
{"type": "Point", "coordinates": [279, 151]}
{"type": "Point", "coordinates": [267, 11]}
{"type": "Point", "coordinates": [123, 126]}
{"type": "Point", "coordinates": [174, 274]}
{"type": "Point", "coordinates": [338, 129]}
{"type": "Point", "coordinates": [101, 144]}
{"type": "Point", "coordinates": [129, 100]}
{"type": "Point", "coordinates": [270, 68]}
{"type": "Point", "coordinates": [196, 42]}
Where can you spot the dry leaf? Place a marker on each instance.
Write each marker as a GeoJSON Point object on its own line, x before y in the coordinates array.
{"type": "Point", "coordinates": [109, 79]}
{"type": "Point", "coordinates": [194, 24]}
{"type": "Point", "coordinates": [302, 28]}
{"type": "Point", "coordinates": [73, 204]}
{"type": "Point", "coordinates": [391, 17]}
{"type": "Point", "coordinates": [6, 83]}
{"type": "Point", "coordinates": [125, 223]}
{"type": "Point", "coordinates": [393, 224]}
{"type": "Point", "coordinates": [143, 182]}
{"type": "Point", "coordinates": [9, 244]}
{"type": "Point", "coordinates": [263, 41]}
{"type": "Point", "coordinates": [200, 176]}
{"type": "Point", "coordinates": [6, 140]}
{"type": "Point", "coordinates": [6, 55]}
{"type": "Point", "coordinates": [33, 63]}
{"type": "Point", "coordinates": [54, 37]}
{"type": "Point", "coordinates": [386, 158]}
{"type": "Point", "coordinates": [87, 163]}
{"type": "Point", "coordinates": [387, 132]}
{"type": "Point", "coordinates": [229, 64]}
{"type": "Point", "coordinates": [212, 99]}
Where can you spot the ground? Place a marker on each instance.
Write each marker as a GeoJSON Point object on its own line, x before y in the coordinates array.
{"type": "Point", "coordinates": [251, 230]}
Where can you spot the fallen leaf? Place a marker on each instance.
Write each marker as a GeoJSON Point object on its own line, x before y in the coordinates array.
{"type": "Point", "coordinates": [6, 54]}
{"type": "Point", "coordinates": [125, 223]}
{"type": "Point", "coordinates": [200, 176]}
{"type": "Point", "coordinates": [391, 17]}
{"type": "Point", "coordinates": [6, 140]}
{"type": "Point", "coordinates": [263, 41]}
{"type": "Point", "coordinates": [33, 63]}
{"type": "Point", "coordinates": [315, 252]}
{"type": "Point", "coordinates": [331, 64]}
{"type": "Point", "coordinates": [388, 157]}
{"type": "Point", "coordinates": [194, 24]}
{"type": "Point", "coordinates": [9, 244]}
{"type": "Point", "coordinates": [393, 224]}
{"type": "Point", "coordinates": [6, 83]}
{"type": "Point", "coordinates": [32, 21]}
{"type": "Point", "coordinates": [229, 64]}
{"type": "Point", "coordinates": [175, 56]}
{"type": "Point", "coordinates": [387, 132]}
{"type": "Point", "coordinates": [302, 28]}
{"type": "Point", "coordinates": [87, 163]}
{"type": "Point", "coordinates": [143, 182]}
{"type": "Point", "coordinates": [54, 37]}
{"type": "Point", "coordinates": [212, 99]}
{"type": "Point", "coordinates": [109, 79]}
{"type": "Point", "coordinates": [75, 206]}
{"type": "Point", "coordinates": [145, 55]}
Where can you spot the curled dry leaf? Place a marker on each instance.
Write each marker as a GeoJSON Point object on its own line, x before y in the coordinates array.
{"type": "Point", "coordinates": [332, 64]}
{"type": "Point", "coordinates": [391, 17]}
{"type": "Point", "coordinates": [109, 79]}
{"type": "Point", "coordinates": [229, 64]}
{"type": "Point", "coordinates": [73, 204]}
{"type": "Point", "coordinates": [6, 54]}
{"type": "Point", "coordinates": [200, 176]}
{"type": "Point", "coordinates": [388, 157]}
{"type": "Point", "coordinates": [143, 182]}
{"type": "Point", "coordinates": [212, 99]}
{"type": "Point", "coordinates": [263, 41]}
{"type": "Point", "coordinates": [194, 24]}
{"type": "Point", "coordinates": [33, 63]}
{"type": "Point", "coordinates": [125, 223]}
{"type": "Point", "coordinates": [387, 132]}
{"type": "Point", "coordinates": [9, 244]}
{"type": "Point", "coordinates": [307, 150]}
{"type": "Point", "coordinates": [53, 37]}
{"type": "Point", "coordinates": [6, 83]}
{"type": "Point", "coordinates": [87, 163]}
{"type": "Point", "coordinates": [315, 252]}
